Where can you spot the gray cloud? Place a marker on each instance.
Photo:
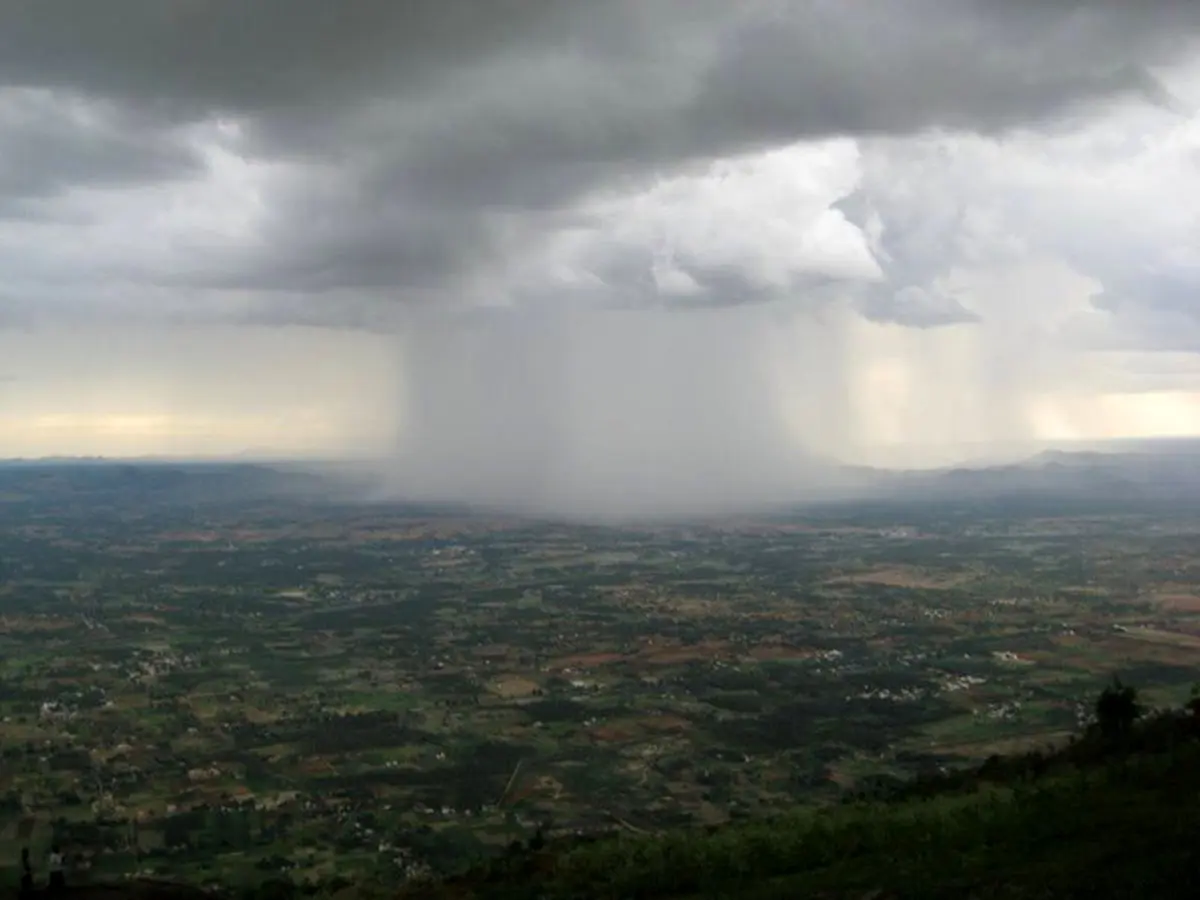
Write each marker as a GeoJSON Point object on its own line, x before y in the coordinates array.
{"type": "Point", "coordinates": [50, 142]}
{"type": "Point", "coordinates": [916, 307]}
{"type": "Point", "coordinates": [14, 313]}
{"type": "Point", "coordinates": [185, 59]}
{"type": "Point", "coordinates": [1173, 290]}
{"type": "Point", "coordinates": [528, 133]}
{"type": "Point", "coordinates": [1159, 310]}
{"type": "Point", "coordinates": [441, 130]}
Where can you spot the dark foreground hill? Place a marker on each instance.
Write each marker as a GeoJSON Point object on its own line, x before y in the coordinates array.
{"type": "Point", "coordinates": [1114, 814]}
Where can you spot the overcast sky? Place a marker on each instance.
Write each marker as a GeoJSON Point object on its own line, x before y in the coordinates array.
{"type": "Point", "coordinates": [568, 252]}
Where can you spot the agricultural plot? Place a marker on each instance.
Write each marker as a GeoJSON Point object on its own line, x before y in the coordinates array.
{"type": "Point", "coordinates": [223, 690]}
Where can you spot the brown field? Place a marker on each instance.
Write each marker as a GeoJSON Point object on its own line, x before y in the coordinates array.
{"type": "Point", "coordinates": [840, 778]}
{"type": "Point", "coordinates": [781, 615]}
{"type": "Point", "coordinates": [690, 606]}
{"type": "Point", "coordinates": [631, 729]}
{"type": "Point", "coordinates": [664, 723]}
{"type": "Point", "coordinates": [1157, 636]}
{"type": "Point", "coordinates": [1083, 591]}
{"type": "Point", "coordinates": [531, 787]}
{"type": "Point", "coordinates": [251, 535]}
{"type": "Point", "coordinates": [1060, 660]}
{"type": "Point", "coordinates": [1072, 641]}
{"type": "Point", "coordinates": [145, 618]}
{"type": "Point", "coordinates": [585, 660]}
{"type": "Point", "coordinates": [201, 537]}
{"type": "Point", "coordinates": [260, 716]}
{"type": "Point", "coordinates": [1177, 602]}
{"type": "Point", "coordinates": [510, 686]}
{"type": "Point", "coordinates": [17, 624]}
{"type": "Point", "coordinates": [1101, 655]}
{"type": "Point", "coordinates": [670, 655]}
{"type": "Point", "coordinates": [613, 733]}
{"type": "Point", "coordinates": [1006, 746]}
{"type": "Point", "coordinates": [493, 651]}
{"type": "Point", "coordinates": [208, 536]}
{"type": "Point", "coordinates": [1120, 647]}
{"type": "Point", "coordinates": [905, 577]}
{"type": "Point", "coordinates": [765, 652]}
{"type": "Point", "coordinates": [316, 765]}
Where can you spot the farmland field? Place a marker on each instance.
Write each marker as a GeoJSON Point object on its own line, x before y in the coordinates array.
{"type": "Point", "coordinates": [223, 685]}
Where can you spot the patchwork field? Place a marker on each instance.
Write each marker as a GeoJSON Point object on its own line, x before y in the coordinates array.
{"type": "Point", "coordinates": [218, 690]}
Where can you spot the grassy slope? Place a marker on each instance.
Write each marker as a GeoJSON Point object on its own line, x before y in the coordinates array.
{"type": "Point", "coordinates": [1090, 822]}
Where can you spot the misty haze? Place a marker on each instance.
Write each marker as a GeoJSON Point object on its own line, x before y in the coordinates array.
{"type": "Point", "coordinates": [636, 413]}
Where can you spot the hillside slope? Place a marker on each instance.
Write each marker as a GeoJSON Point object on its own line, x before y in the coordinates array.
{"type": "Point", "coordinates": [1107, 817]}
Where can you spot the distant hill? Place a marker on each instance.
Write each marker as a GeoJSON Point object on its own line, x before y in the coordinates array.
{"type": "Point", "coordinates": [161, 482]}
{"type": "Point", "coordinates": [1168, 474]}
{"type": "Point", "coordinates": [1155, 474]}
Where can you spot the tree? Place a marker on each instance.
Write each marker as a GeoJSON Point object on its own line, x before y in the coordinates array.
{"type": "Point", "coordinates": [1193, 703]}
{"type": "Point", "coordinates": [1117, 708]}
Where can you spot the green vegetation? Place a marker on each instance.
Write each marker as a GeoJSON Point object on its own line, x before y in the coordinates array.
{"type": "Point", "coordinates": [1113, 815]}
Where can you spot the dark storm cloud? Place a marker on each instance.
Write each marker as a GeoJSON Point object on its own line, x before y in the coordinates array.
{"type": "Point", "coordinates": [760, 69]}
{"type": "Point", "coordinates": [184, 58]}
{"type": "Point", "coordinates": [384, 250]}
{"type": "Point", "coordinates": [440, 129]}
{"type": "Point", "coordinates": [48, 143]}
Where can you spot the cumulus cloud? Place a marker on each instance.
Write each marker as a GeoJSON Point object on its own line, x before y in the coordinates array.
{"type": "Point", "coordinates": [1109, 197]}
{"type": "Point", "coordinates": [756, 227]}
{"type": "Point", "coordinates": [414, 144]}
